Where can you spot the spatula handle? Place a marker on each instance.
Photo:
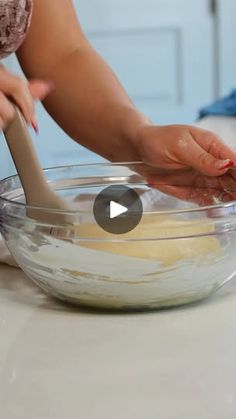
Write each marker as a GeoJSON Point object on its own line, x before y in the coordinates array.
{"type": "Point", "coordinates": [25, 158]}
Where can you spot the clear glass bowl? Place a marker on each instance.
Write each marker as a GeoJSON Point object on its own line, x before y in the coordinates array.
{"type": "Point", "coordinates": [179, 253]}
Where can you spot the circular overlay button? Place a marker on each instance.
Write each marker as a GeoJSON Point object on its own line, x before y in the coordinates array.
{"type": "Point", "coordinates": [118, 209]}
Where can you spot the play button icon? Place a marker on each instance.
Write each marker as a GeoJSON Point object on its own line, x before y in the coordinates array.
{"type": "Point", "coordinates": [118, 209]}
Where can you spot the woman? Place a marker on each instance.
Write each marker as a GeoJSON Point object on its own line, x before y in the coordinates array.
{"type": "Point", "coordinates": [84, 97]}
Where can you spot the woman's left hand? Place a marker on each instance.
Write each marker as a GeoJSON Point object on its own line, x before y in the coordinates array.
{"type": "Point", "coordinates": [184, 147]}
{"type": "Point", "coordinates": [188, 162]}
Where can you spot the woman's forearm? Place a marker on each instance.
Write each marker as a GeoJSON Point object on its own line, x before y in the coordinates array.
{"type": "Point", "coordinates": [92, 107]}
{"type": "Point", "coordinates": [89, 103]}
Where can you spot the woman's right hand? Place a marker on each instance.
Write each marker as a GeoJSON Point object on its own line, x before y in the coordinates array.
{"type": "Point", "coordinates": [187, 162]}
{"type": "Point", "coordinates": [23, 94]}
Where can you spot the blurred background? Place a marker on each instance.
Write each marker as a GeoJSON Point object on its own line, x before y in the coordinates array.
{"type": "Point", "coordinates": [172, 56]}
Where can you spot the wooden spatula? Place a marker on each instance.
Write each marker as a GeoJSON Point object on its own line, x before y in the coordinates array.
{"type": "Point", "coordinates": [37, 191]}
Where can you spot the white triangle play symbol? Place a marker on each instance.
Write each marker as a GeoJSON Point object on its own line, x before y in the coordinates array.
{"type": "Point", "coordinates": [116, 209]}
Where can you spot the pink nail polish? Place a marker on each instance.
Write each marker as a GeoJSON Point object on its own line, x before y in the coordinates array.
{"type": "Point", "coordinates": [227, 165]}
{"type": "Point", "coordinates": [35, 126]}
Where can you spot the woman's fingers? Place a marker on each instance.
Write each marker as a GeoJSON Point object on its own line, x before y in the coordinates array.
{"type": "Point", "coordinates": [213, 144]}
{"type": "Point", "coordinates": [6, 111]}
{"type": "Point", "coordinates": [199, 149]}
{"type": "Point", "coordinates": [23, 93]}
{"type": "Point", "coordinates": [40, 89]}
{"type": "Point", "coordinates": [189, 163]}
{"type": "Point", "coordinates": [198, 196]}
{"type": "Point", "coordinates": [203, 161]}
{"type": "Point", "coordinates": [17, 89]}
{"type": "Point", "coordinates": [182, 146]}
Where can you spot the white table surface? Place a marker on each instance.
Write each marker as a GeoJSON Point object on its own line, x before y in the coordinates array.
{"type": "Point", "coordinates": [62, 363]}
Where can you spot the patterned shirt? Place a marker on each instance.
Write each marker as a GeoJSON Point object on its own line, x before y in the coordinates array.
{"type": "Point", "coordinates": [15, 16]}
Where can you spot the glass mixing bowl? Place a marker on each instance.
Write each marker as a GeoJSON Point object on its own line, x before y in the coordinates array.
{"type": "Point", "coordinates": [179, 253]}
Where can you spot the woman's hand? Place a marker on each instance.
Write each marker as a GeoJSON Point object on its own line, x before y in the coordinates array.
{"type": "Point", "coordinates": [184, 147]}
{"type": "Point", "coordinates": [22, 93]}
{"type": "Point", "coordinates": [187, 162]}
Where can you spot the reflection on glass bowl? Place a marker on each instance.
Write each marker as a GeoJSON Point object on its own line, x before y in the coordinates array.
{"type": "Point", "coordinates": [179, 252]}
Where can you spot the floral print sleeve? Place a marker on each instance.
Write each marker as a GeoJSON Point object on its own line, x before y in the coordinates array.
{"type": "Point", "coordinates": [15, 18]}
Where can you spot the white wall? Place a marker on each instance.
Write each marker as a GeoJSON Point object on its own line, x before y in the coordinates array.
{"type": "Point", "coordinates": [226, 45]}
{"type": "Point", "coordinates": [173, 56]}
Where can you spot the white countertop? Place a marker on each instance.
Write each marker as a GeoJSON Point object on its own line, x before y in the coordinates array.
{"type": "Point", "coordinates": [64, 363]}
{"type": "Point", "coordinates": [61, 363]}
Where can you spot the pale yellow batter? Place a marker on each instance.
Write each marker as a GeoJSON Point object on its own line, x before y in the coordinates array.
{"type": "Point", "coordinates": [165, 251]}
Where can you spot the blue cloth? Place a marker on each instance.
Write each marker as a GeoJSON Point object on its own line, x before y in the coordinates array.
{"type": "Point", "coordinates": [224, 107]}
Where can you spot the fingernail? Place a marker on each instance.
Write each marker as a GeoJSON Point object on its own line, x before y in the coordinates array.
{"type": "Point", "coordinates": [225, 164]}
{"type": "Point", "coordinates": [35, 126]}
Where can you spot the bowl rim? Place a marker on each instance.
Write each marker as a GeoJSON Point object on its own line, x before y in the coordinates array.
{"type": "Point", "coordinates": [227, 206]}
